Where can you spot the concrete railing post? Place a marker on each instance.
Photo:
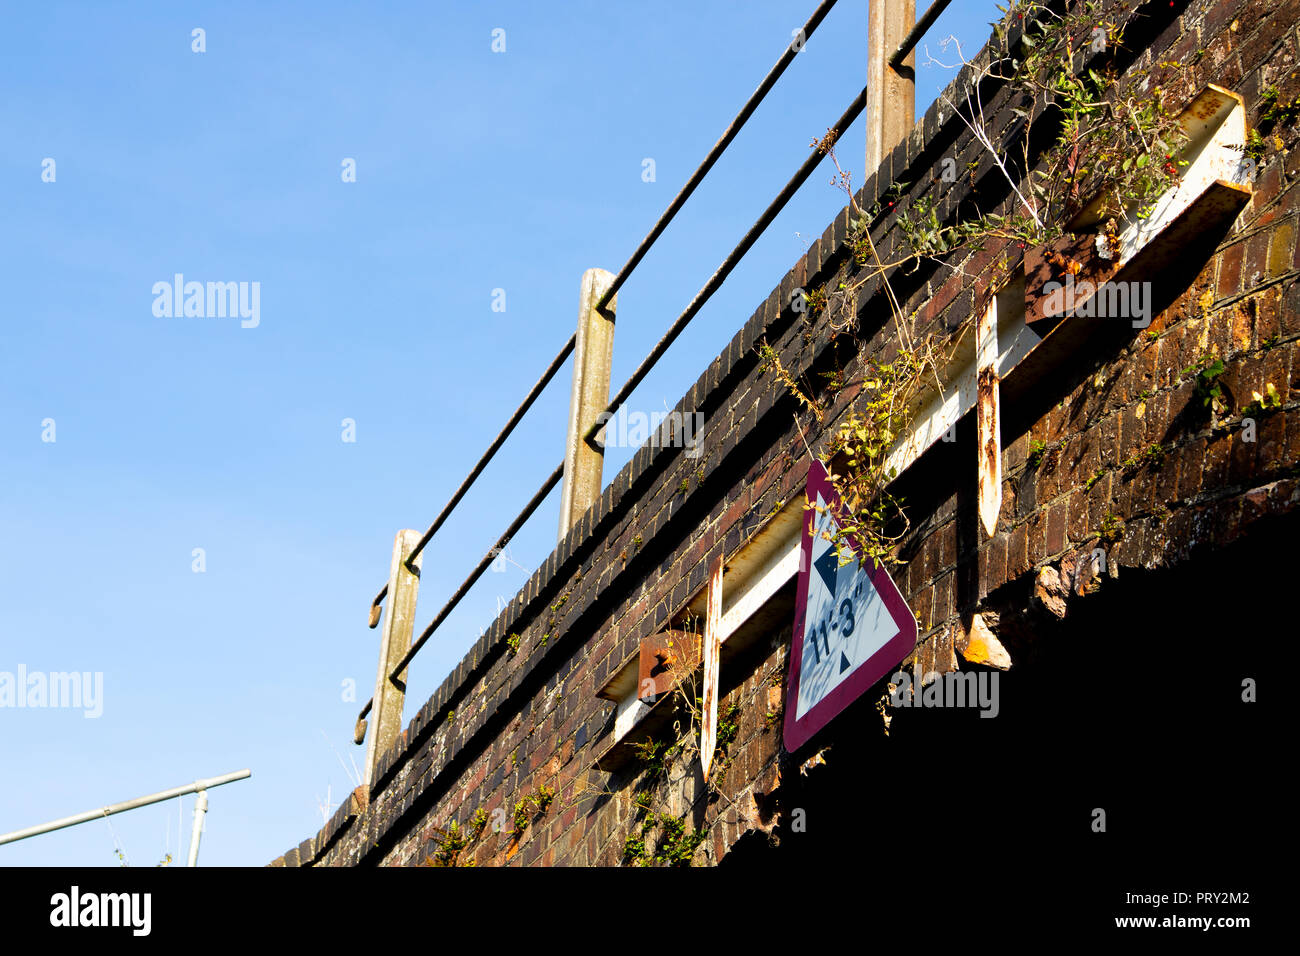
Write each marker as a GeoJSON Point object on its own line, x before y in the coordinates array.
{"type": "Point", "coordinates": [399, 622]}
{"type": "Point", "coordinates": [592, 354]}
{"type": "Point", "coordinates": [891, 94]}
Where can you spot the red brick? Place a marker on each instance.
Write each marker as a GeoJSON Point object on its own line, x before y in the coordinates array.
{"type": "Point", "coordinates": [1099, 501]}
{"type": "Point", "coordinates": [1218, 450]}
{"type": "Point", "coordinates": [1132, 431]}
{"type": "Point", "coordinates": [1191, 468]}
{"type": "Point", "coordinates": [1226, 521]}
{"type": "Point", "coordinates": [1056, 519]}
{"type": "Point", "coordinates": [1281, 245]}
{"type": "Point", "coordinates": [1289, 311]}
{"type": "Point", "coordinates": [1247, 377]}
{"type": "Point", "coordinates": [1230, 261]}
{"type": "Point", "coordinates": [1271, 453]}
{"type": "Point", "coordinates": [922, 605]}
{"type": "Point", "coordinates": [1018, 552]}
{"type": "Point", "coordinates": [1219, 16]}
{"type": "Point", "coordinates": [1268, 181]}
{"type": "Point", "coordinates": [1267, 326]}
{"type": "Point", "coordinates": [1166, 370]}
{"type": "Point", "coordinates": [1241, 466]}
{"type": "Point", "coordinates": [1219, 64]}
{"type": "Point", "coordinates": [993, 564]}
{"type": "Point", "coordinates": [1254, 266]}
{"type": "Point", "coordinates": [948, 546]}
{"type": "Point", "coordinates": [1077, 526]}
{"type": "Point", "coordinates": [944, 598]}
{"type": "Point", "coordinates": [1056, 425]}
{"type": "Point", "coordinates": [1089, 459]}
{"type": "Point", "coordinates": [1036, 531]}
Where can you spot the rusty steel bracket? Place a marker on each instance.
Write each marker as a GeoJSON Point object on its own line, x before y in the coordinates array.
{"type": "Point", "coordinates": [666, 659]}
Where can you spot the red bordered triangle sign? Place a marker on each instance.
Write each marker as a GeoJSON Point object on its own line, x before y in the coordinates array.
{"type": "Point", "coordinates": [851, 624]}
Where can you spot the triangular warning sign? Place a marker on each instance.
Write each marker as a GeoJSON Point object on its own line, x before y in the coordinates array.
{"type": "Point", "coordinates": [851, 628]}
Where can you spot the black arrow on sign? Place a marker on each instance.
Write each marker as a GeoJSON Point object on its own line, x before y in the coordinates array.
{"type": "Point", "coordinates": [828, 566]}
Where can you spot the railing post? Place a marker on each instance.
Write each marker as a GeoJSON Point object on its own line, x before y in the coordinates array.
{"type": "Point", "coordinates": [592, 354]}
{"type": "Point", "coordinates": [200, 808]}
{"type": "Point", "coordinates": [891, 94]}
{"type": "Point", "coordinates": [399, 622]}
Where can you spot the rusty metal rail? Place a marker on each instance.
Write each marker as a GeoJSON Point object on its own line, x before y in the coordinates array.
{"type": "Point", "coordinates": [734, 257]}
{"type": "Point", "coordinates": [919, 30]}
{"type": "Point", "coordinates": [527, 403]}
{"type": "Point", "coordinates": [697, 303]}
{"type": "Point", "coordinates": [624, 273]}
{"type": "Point", "coordinates": [719, 147]}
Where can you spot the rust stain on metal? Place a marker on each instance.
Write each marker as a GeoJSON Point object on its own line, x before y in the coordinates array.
{"type": "Point", "coordinates": [712, 648]}
{"type": "Point", "coordinates": [1069, 256]}
{"type": "Point", "coordinates": [665, 659]}
{"type": "Point", "coordinates": [990, 450]}
{"type": "Point", "coordinates": [988, 440]}
{"type": "Point", "coordinates": [1211, 100]}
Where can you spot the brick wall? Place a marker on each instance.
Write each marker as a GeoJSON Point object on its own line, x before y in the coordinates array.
{"type": "Point", "coordinates": [507, 722]}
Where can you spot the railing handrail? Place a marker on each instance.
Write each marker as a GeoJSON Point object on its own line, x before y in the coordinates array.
{"type": "Point", "coordinates": [701, 298]}
{"type": "Point", "coordinates": [629, 267]}
{"type": "Point", "coordinates": [919, 29]}
{"type": "Point", "coordinates": [487, 457]}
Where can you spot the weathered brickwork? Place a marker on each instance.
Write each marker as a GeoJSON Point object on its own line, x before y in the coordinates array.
{"type": "Point", "coordinates": [508, 721]}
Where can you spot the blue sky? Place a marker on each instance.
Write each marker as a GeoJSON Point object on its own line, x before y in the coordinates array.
{"type": "Point", "coordinates": [475, 171]}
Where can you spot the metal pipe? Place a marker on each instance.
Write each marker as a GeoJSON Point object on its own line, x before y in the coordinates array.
{"type": "Point", "coordinates": [200, 808]}
{"type": "Point", "coordinates": [461, 591]}
{"type": "Point", "coordinates": [509, 533]}
{"type": "Point", "coordinates": [124, 806]}
{"type": "Point", "coordinates": [773, 210]}
{"type": "Point", "coordinates": [551, 369]}
{"type": "Point", "coordinates": [483, 461]}
{"type": "Point", "coordinates": [918, 31]}
{"type": "Point", "coordinates": [718, 148]}
{"type": "Point", "coordinates": [701, 298]}
{"type": "Point", "coordinates": [716, 280]}
{"type": "Point", "coordinates": [669, 214]}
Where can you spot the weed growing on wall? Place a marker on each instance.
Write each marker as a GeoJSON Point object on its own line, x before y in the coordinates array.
{"type": "Point", "coordinates": [1117, 143]}
{"type": "Point", "coordinates": [659, 836]}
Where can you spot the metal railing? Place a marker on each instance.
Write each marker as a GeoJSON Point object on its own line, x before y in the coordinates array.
{"type": "Point", "coordinates": [201, 787]}
{"type": "Point", "coordinates": [921, 27]}
{"type": "Point", "coordinates": [850, 114]}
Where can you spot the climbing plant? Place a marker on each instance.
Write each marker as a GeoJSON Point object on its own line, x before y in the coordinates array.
{"type": "Point", "coordinates": [1114, 150]}
{"type": "Point", "coordinates": [660, 837]}
{"type": "Point", "coordinates": [1117, 144]}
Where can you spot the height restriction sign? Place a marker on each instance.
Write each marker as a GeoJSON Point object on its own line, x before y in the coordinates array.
{"type": "Point", "coordinates": [851, 626]}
